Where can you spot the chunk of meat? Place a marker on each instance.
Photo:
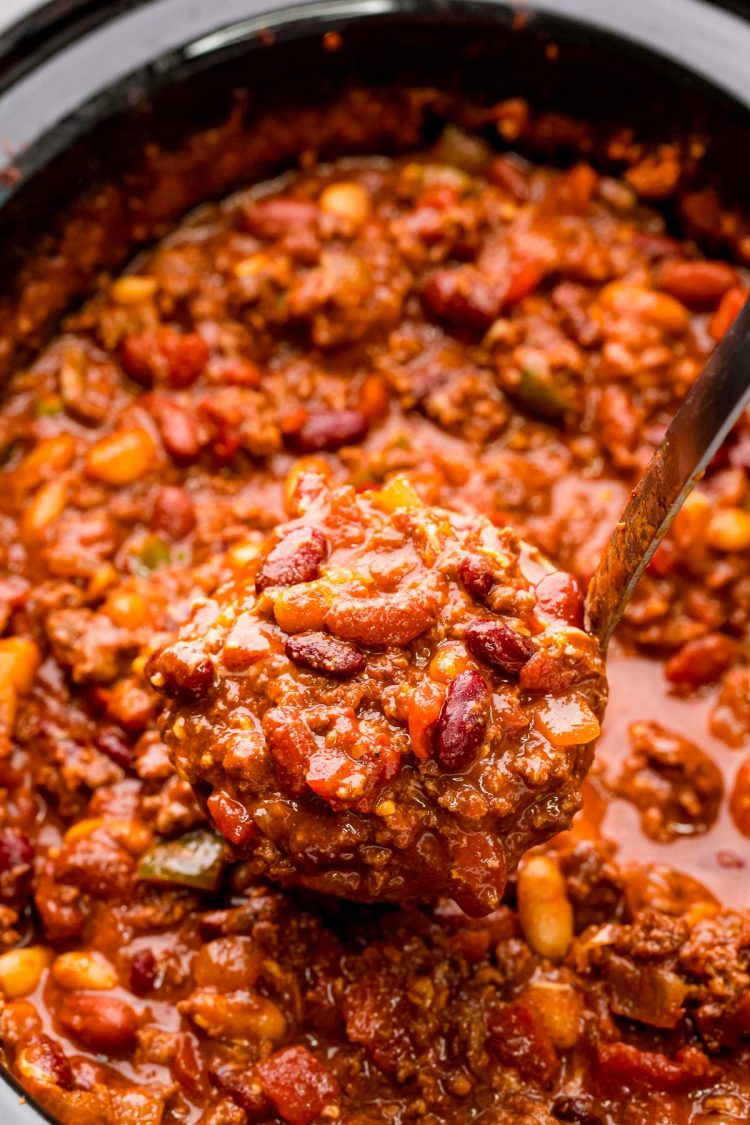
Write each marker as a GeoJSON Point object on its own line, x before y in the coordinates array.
{"type": "Point", "coordinates": [90, 644]}
{"type": "Point", "coordinates": [675, 785]}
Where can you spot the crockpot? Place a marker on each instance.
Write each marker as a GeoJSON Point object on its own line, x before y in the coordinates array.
{"type": "Point", "coordinates": [85, 84]}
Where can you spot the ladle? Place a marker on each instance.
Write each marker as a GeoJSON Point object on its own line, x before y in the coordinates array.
{"type": "Point", "coordinates": [708, 413]}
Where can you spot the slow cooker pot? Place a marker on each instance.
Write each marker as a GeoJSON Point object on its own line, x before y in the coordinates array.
{"type": "Point", "coordinates": [85, 84]}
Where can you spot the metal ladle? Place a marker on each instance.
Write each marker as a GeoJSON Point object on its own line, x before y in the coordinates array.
{"type": "Point", "coordinates": [708, 413]}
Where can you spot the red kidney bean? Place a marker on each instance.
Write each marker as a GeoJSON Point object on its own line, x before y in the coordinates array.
{"type": "Point", "coordinates": [496, 644]}
{"type": "Point", "coordinates": [699, 285]}
{"type": "Point", "coordinates": [96, 865]}
{"type": "Point", "coordinates": [186, 355]}
{"type": "Point", "coordinates": [461, 296]}
{"type": "Point", "coordinates": [102, 1023]}
{"type": "Point", "coordinates": [275, 218]}
{"type": "Point", "coordinates": [558, 595]}
{"type": "Point", "coordinates": [173, 512]}
{"type": "Point", "coordinates": [327, 430]}
{"type": "Point", "coordinates": [462, 722]}
{"type": "Point", "coordinates": [576, 1110]}
{"type": "Point", "coordinates": [110, 742]}
{"type": "Point", "coordinates": [182, 671]}
{"type": "Point", "coordinates": [231, 818]}
{"type": "Point", "coordinates": [477, 577]}
{"type": "Point", "coordinates": [41, 1055]}
{"type": "Point", "coordinates": [178, 430]}
{"type": "Point", "coordinates": [144, 972]}
{"type": "Point", "coordinates": [296, 558]}
{"type": "Point", "coordinates": [701, 661]}
{"type": "Point", "coordinates": [164, 355]}
{"type": "Point", "coordinates": [243, 1087]}
{"type": "Point", "coordinates": [324, 653]}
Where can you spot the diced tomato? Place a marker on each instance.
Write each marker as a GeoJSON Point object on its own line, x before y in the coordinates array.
{"type": "Point", "coordinates": [519, 1038]}
{"type": "Point", "coordinates": [559, 596]}
{"type": "Point", "coordinates": [231, 818]}
{"type": "Point", "coordinates": [299, 1086]}
{"type": "Point", "coordinates": [620, 1064]}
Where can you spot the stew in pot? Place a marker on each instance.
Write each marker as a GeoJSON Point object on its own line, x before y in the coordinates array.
{"type": "Point", "coordinates": [298, 473]}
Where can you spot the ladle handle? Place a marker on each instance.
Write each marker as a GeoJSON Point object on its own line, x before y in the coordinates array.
{"type": "Point", "coordinates": [708, 413]}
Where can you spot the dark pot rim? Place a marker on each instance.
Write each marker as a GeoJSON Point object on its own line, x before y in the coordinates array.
{"type": "Point", "coordinates": [46, 95]}
{"type": "Point", "coordinates": [43, 77]}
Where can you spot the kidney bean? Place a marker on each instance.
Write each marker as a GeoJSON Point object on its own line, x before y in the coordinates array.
{"type": "Point", "coordinates": [144, 972]}
{"type": "Point", "coordinates": [296, 558]}
{"type": "Point", "coordinates": [100, 1022]}
{"type": "Point", "coordinates": [478, 871]}
{"type": "Point", "coordinates": [244, 1087]}
{"type": "Point", "coordinates": [16, 859]}
{"type": "Point", "coordinates": [390, 619]}
{"type": "Point", "coordinates": [42, 1059]}
{"type": "Point", "coordinates": [178, 430]}
{"type": "Point", "coordinates": [231, 818]}
{"type": "Point", "coordinates": [164, 355]}
{"type": "Point", "coordinates": [228, 963]}
{"type": "Point", "coordinates": [182, 671]}
{"type": "Point", "coordinates": [275, 218]}
{"type": "Point", "coordinates": [239, 1015]}
{"type": "Point", "coordinates": [173, 512]}
{"type": "Point", "coordinates": [186, 356]}
{"type": "Point", "coordinates": [461, 296]}
{"type": "Point", "coordinates": [558, 595]}
{"type": "Point", "coordinates": [462, 722]}
{"type": "Point", "coordinates": [97, 865]}
{"type": "Point", "coordinates": [699, 285]}
{"type": "Point", "coordinates": [701, 661]}
{"type": "Point", "coordinates": [324, 653]}
{"type": "Point", "coordinates": [544, 909]}
{"type": "Point", "coordinates": [328, 430]}
{"type": "Point", "coordinates": [577, 1110]}
{"type": "Point", "coordinates": [496, 644]}
{"type": "Point", "coordinates": [477, 577]}
{"type": "Point", "coordinates": [109, 741]}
